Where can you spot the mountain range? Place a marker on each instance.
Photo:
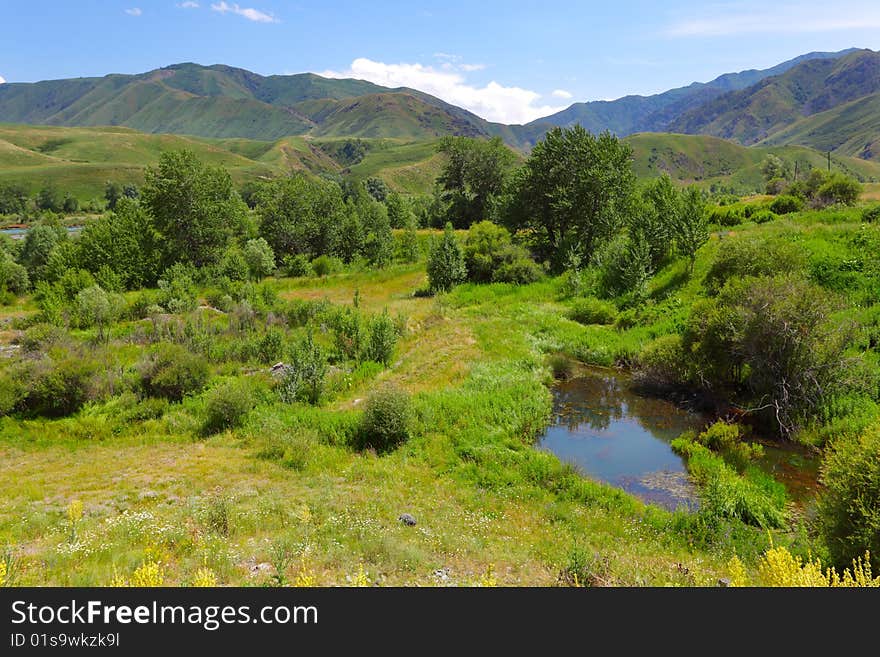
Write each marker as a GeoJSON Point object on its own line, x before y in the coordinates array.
{"type": "Point", "coordinates": [825, 100]}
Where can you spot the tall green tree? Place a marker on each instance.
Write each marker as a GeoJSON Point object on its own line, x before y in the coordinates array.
{"type": "Point", "coordinates": [126, 242]}
{"type": "Point", "coordinates": [472, 177]}
{"type": "Point", "coordinates": [195, 207]}
{"type": "Point", "coordinates": [573, 193]}
{"type": "Point", "coordinates": [299, 215]}
{"type": "Point", "coordinates": [691, 226]}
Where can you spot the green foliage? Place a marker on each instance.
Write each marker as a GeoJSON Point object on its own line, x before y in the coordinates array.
{"type": "Point", "coordinates": [60, 386]}
{"type": "Point", "coordinates": [472, 177]}
{"type": "Point", "coordinates": [446, 265]}
{"type": "Point", "coordinates": [786, 204]}
{"type": "Point", "coordinates": [326, 265]}
{"type": "Point", "coordinates": [726, 216]}
{"type": "Point", "coordinates": [490, 256]}
{"type": "Point", "coordinates": [227, 406]}
{"type": "Point", "coordinates": [573, 193]}
{"type": "Point", "coordinates": [839, 189]}
{"type": "Point", "coordinates": [773, 336]}
{"type": "Point", "coordinates": [849, 505]}
{"type": "Point", "coordinates": [386, 420]}
{"type": "Point", "coordinates": [378, 242]}
{"type": "Point", "coordinates": [94, 307]}
{"type": "Point", "coordinates": [382, 339]}
{"type": "Point", "coordinates": [591, 310]}
{"type": "Point", "coordinates": [400, 214]}
{"type": "Point", "coordinates": [661, 363]}
{"type": "Point", "coordinates": [754, 498]}
{"type": "Point", "coordinates": [194, 206]}
{"type": "Point", "coordinates": [624, 266]}
{"type": "Point", "coordinates": [691, 229]}
{"type": "Point", "coordinates": [301, 215]}
{"type": "Point", "coordinates": [13, 276]}
{"type": "Point", "coordinates": [297, 265]}
{"type": "Point", "coordinates": [39, 242]}
{"type": "Point", "coordinates": [751, 256]}
{"type": "Point", "coordinates": [259, 258]}
{"type": "Point", "coordinates": [171, 371]}
{"type": "Point", "coordinates": [177, 291]}
{"type": "Point", "coordinates": [377, 189]}
{"type": "Point", "coordinates": [763, 216]}
{"type": "Point", "coordinates": [871, 214]}
{"type": "Point", "coordinates": [304, 378]}
{"type": "Point", "coordinates": [271, 346]}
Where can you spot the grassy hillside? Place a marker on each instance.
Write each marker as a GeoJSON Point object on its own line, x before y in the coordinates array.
{"type": "Point", "coordinates": [704, 160]}
{"type": "Point", "coordinates": [774, 104]}
{"type": "Point", "coordinates": [850, 129]}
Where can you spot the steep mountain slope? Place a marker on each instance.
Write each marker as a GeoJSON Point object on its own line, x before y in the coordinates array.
{"type": "Point", "coordinates": [774, 104]}
{"type": "Point", "coordinates": [655, 113]}
{"type": "Point", "coordinates": [849, 129]}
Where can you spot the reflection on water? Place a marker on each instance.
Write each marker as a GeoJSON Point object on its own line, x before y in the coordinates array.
{"type": "Point", "coordinates": [610, 433]}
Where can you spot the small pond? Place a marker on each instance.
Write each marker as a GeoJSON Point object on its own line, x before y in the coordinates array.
{"type": "Point", "coordinates": [603, 426]}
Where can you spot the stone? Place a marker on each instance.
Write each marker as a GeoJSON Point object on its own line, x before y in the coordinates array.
{"type": "Point", "coordinates": [407, 519]}
{"type": "Point", "coordinates": [724, 582]}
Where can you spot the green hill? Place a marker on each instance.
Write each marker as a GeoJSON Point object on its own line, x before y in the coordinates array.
{"type": "Point", "coordinates": [849, 129]}
{"type": "Point", "coordinates": [705, 160]}
{"type": "Point", "coordinates": [222, 101]}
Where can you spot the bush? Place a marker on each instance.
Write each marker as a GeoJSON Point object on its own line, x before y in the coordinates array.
{"type": "Point", "coordinates": [271, 346]}
{"type": "Point", "coordinates": [786, 204]}
{"type": "Point", "coordinates": [871, 214]}
{"type": "Point", "coordinates": [661, 363]}
{"type": "Point", "coordinates": [752, 257]}
{"type": "Point", "coordinates": [13, 276]}
{"type": "Point", "coordinates": [839, 189]}
{"type": "Point", "coordinates": [383, 339]}
{"type": "Point", "coordinates": [849, 506]}
{"type": "Point", "coordinates": [259, 258]}
{"type": "Point", "coordinates": [446, 265]}
{"type": "Point", "coordinates": [40, 337]}
{"type": "Point", "coordinates": [227, 406]}
{"type": "Point", "coordinates": [516, 266]}
{"type": "Point", "coordinates": [326, 265]}
{"type": "Point", "coordinates": [386, 420]}
{"type": "Point", "coordinates": [177, 291]}
{"type": "Point", "coordinates": [763, 216]}
{"type": "Point", "coordinates": [297, 266]}
{"type": "Point", "coordinates": [303, 379]}
{"type": "Point", "coordinates": [172, 372]}
{"type": "Point", "coordinates": [726, 216]}
{"type": "Point", "coordinates": [593, 311]}
{"type": "Point", "coordinates": [60, 387]}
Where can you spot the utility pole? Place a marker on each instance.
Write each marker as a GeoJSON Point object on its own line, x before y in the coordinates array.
{"type": "Point", "coordinates": [829, 161]}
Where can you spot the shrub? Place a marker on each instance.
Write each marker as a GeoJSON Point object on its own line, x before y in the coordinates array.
{"type": "Point", "coordinates": [446, 265]}
{"type": "Point", "coordinates": [624, 266]}
{"type": "Point", "coordinates": [233, 265]}
{"type": "Point", "coordinates": [41, 337]}
{"type": "Point", "coordinates": [326, 265]}
{"type": "Point", "coordinates": [60, 387]}
{"type": "Point", "coordinates": [383, 339]}
{"type": "Point", "coordinates": [304, 378]}
{"type": "Point", "coordinates": [593, 311]}
{"type": "Point", "coordinates": [849, 506]}
{"type": "Point", "coordinates": [227, 406]}
{"type": "Point", "coordinates": [871, 214]}
{"type": "Point", "coordinates": [752, 257]}
{"type": "Point", "coordinates": [271, 346]}
{"type": "Point", "coordinates": [726, 216]}
{"type": "Point", "coordinates": [786, 204]}
{"type": "Point", "coordinates": [662, 363]}
{"type": "Point", "coordinates": [177, 292]}
{"type": "Point", "coordinates": [259, 258]}
{"type": "Point", "coordinates": [482, 246]}
{"type": "Point", "coordinates": [386, 420]}
{"type": "Point", "coordinates": [172, 372]}
{"type": "Point", "coordinates": [297, 266]}
{"type": "Point", "coordinates": [763, 216]}
{"type": "Point", "coordinates": [516, 266]}
{"type": "Point", "coordinates": [13, 276]}
{"type": "Point", "coordinates": [839, 189]}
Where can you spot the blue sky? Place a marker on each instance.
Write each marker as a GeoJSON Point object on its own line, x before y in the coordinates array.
{"type": "Point", "coordinates": [508, 61]}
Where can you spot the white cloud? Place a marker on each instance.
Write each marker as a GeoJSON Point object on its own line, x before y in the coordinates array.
{"type": "Point", "coordinates": [494, 102]}
{"type": "Point", "coordinates": [744, 18]}
{"type": "Point", "coordinates": [134, 11]}
{"type": "Point", "coordinates": [2, 80]}
{"type": "Point", "coordinates": [189, 4]}
{"type": "Point", "coordinates": [251, 14]}
{"type": "Point", "coordinates": [562, 93]}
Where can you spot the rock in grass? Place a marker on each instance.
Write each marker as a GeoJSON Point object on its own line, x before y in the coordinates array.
{"type": "Point", "coordinates": [407, 519]}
